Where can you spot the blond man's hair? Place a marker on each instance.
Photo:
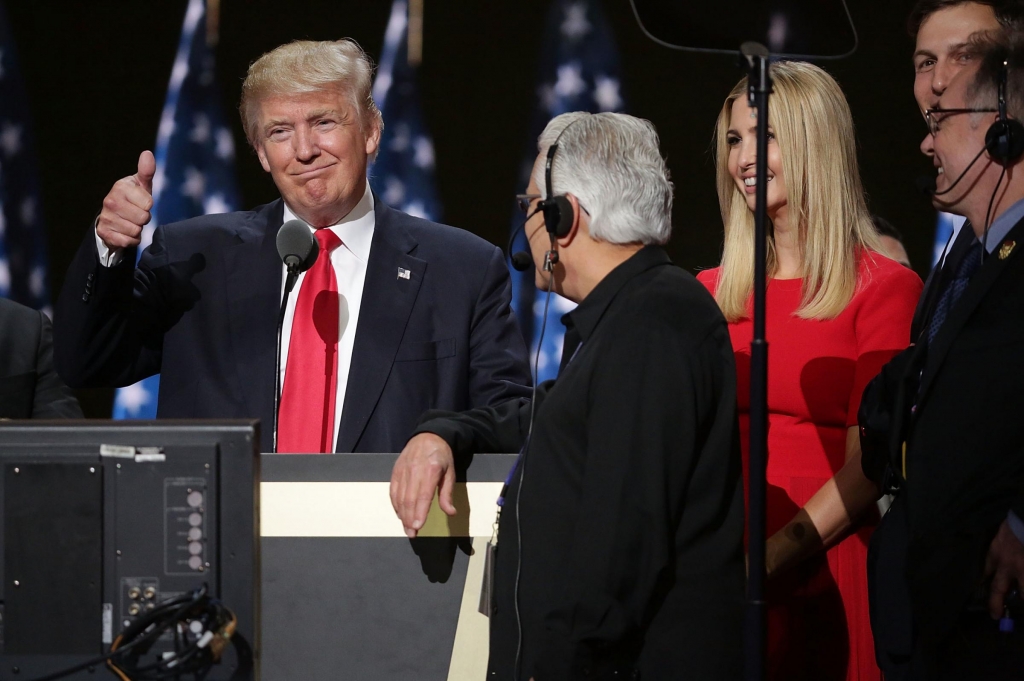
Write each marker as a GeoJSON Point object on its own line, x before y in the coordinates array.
{"type": "Point", "coordinates": [306, 66]}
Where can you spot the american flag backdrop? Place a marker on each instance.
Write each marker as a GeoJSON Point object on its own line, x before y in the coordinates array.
{"type": "Point", "coordinates": [947, 226]}
{"type": "Point", "coordinates": [403, 174]}
{"type": "Point", "coordinates": [195, 164]}
{"type": "Point", "coordinates": [23, 262]}
{"type": "Point", "coordinates": [579, 71]}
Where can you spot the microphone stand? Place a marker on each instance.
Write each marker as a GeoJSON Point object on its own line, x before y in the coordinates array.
{"type": "Point", "coordinates": [293, 264]}
{"type": "Point", "coordinates": [754, 57]}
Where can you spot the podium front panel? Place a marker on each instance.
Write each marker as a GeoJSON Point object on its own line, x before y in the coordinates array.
{"type": "Point", "coordinates": [346, 595]}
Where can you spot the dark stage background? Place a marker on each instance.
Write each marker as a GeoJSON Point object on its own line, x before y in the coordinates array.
{"type": "Point", "coordinates": [97, 74]}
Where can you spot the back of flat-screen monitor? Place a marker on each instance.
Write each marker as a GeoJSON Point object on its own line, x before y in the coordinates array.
{"type": "Point", "coordinates": [101, 521]}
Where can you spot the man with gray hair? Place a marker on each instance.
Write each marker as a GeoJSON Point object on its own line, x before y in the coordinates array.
{"type": "Point", "coordinates": [396, 316]}
{"type": "Point", "coordinates": [620, 533]}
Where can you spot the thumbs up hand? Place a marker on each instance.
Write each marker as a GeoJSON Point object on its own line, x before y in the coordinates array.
{"type": "Point", "coordinates": [126, 207]}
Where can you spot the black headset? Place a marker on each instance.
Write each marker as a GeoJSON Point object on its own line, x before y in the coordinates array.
{"type": "Point", "coordinates": [557, 210]}
{"type": "Point", "coordinates": [1004, 139]}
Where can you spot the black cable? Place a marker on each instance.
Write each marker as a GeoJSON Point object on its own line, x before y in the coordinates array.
{"type": "Point", "coordinates": [243, 653]}
{"type": "Point", "coordinates": [110, 655]}
{"type": "Point", "coordinates": [89, 663]}
{"type": "Point", "coordinates": [962, 175]}
{"type": "Point", "coordinates": [522, 468]}
{"type": "Point", "coordinates": [191, 660]}
{"type": "Point", "coordinates": [151, 627]}
{"type": "Point", "coordinates": [139, 637]}
{"type": "Point", "coordinates": [715, 50]}
{"type": "Point", "coordinates": [181, 654]}
{"type": "Point", "coordinates": [140, 673]}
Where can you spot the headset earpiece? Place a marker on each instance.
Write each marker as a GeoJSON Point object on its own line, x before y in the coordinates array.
{"type": "Point", "coordinates": [558, 216]}
{"type": "Point", "coordinates": [557, 210]}
{"type": "Point", "coordinates": [1004, 139]}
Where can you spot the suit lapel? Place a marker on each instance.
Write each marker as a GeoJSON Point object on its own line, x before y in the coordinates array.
{"type": "Point", "coordinates": [253, 300]}
{"type": "Point", "coordinates": [976, 291]}
{"type": "Point", "coordinates": [387, 302]}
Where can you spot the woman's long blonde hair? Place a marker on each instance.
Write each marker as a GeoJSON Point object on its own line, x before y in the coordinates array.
{"type": "Point", "coordinates": [814, 130]}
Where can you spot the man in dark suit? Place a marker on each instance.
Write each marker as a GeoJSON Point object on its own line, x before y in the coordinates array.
{"type": "Point", "coordinates": [945, 557]}
{"type": "Point", "coordinates": [626, 499]}
{"type": "Point", "coordinates": [397, 315]}
{"type": "Point", "coordinates": [29, 386]}
{"type": "Point", "coordinates": [941, 29]}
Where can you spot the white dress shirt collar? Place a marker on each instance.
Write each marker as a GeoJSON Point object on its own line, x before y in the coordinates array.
{"type": "Point", "coordinates": [355, 229]}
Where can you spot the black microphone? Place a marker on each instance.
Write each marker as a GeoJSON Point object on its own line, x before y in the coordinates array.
{"type": "Point", "coordinates": [926, 184]}
{"type": "Point", "coordinates": [521, 260]}
{"type": "Point", "coordinates": [297, 246]}
{"type": "Point", "coordinates": [298, 249]}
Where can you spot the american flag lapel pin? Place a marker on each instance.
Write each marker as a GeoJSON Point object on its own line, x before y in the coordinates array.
{"type": "Point", "coordinates": [404, 273]}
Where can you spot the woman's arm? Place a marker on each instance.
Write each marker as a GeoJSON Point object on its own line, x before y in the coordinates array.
{"type": "Point", "coordinates": [827, 516]}
{"type": "Point", "coordinates": [884, 308]}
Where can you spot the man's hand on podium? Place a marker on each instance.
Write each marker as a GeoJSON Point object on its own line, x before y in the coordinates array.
{"type": "Point", "coordinates": [425, 465]}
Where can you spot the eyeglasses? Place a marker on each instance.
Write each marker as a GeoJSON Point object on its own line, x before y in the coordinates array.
{"type": "Point", "coordinates": [934, 117]}
{"type": "Point", "coordinates": [524, 201]}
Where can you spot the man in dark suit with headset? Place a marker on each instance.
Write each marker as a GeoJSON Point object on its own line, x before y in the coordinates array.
{"type": "Point", "coordinates": [397, 315]}
{"type": "Point", "coordinates": [947, 557]}
{"type": "Point", "coordinates": [940, 29]}
{"type": "Point", "coordinates": [626, 497]}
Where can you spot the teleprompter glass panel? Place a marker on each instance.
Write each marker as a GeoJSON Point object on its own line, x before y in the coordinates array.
{"type": "Point", "coordinates": [808, 28]}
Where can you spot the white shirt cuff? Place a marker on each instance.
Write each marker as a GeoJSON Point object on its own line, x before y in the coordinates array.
{"type": "Point", "coordinates": [109, 257]}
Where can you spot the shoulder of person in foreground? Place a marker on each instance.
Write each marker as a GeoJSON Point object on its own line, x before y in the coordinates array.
{"type": "Point", "coordinates": [683, 301]}
{"type": "Point", "coordinates": [30, 386]}
{"type": "Point", "coordinates": [667, 327]}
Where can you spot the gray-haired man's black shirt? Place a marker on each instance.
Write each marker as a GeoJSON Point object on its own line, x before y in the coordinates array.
{"type": "Point", "coordinates": [629, 495]}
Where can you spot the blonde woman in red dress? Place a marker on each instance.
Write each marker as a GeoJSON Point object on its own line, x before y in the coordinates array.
{"type": "Point", "coordinates": [837, 310]}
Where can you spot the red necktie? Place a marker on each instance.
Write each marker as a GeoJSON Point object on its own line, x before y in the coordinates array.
{"type": "Point", "coordinates": [306, 420]}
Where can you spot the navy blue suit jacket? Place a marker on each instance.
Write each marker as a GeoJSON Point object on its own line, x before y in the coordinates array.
{"type": "Point", "coordinates": [201, 308]}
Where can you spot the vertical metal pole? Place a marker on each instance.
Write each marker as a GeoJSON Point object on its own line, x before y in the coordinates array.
{"type": "Point", "coordinates": [759, 87]}
{"type": "Point", "coordinates": [415, 32]}
{"type": "Point", "coordinates": [212, 22]}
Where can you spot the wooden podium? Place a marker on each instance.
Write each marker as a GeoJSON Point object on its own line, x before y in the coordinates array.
{"type": "Point", "coordinates": [346, 595]}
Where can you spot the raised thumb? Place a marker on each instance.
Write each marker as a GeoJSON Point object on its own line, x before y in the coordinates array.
{"type": "Point", "coordinates": [147, 168]}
